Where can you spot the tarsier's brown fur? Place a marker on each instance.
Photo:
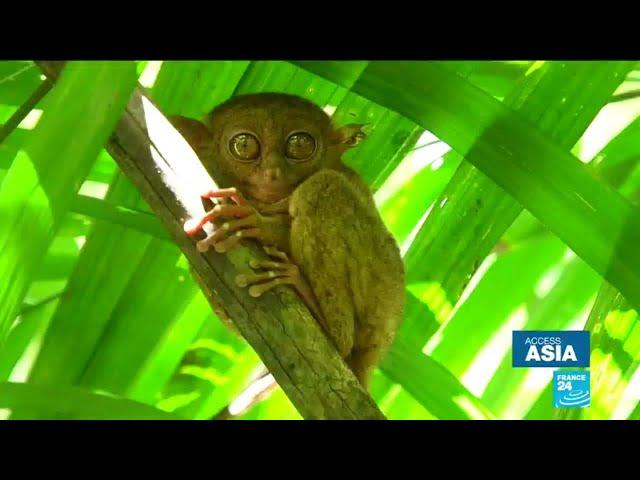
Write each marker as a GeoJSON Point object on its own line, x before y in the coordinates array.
{"type": "Point", "coordinates": [318, 211]}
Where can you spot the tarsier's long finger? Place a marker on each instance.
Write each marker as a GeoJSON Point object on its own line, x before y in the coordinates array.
{"type": "Point", "coordinates": [230, 228]}
{"type": "Point", "coordinates": [261, 288]}
{"type": "Point", "coordinates": [193, 226]}
{"type": "Point", "coordinates": [246, 279]}
{"type": "Point", "coordinates": [233, 225]}
{"type": "Point", "coordinates": [275, 253]}
{"type": "Point", "coordinates": [231, 193]}
{"type": "Point", "coordinates": [269, 265]}
{"type": "Point", "coordinates": [222, 246]}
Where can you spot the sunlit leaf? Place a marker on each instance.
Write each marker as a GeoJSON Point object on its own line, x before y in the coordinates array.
{"type": "Point", "coordinates": [36, 192]}
{"type": "Point", "coordinates": [69, 403]}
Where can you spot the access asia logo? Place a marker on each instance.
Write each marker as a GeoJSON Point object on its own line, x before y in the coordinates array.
{"type": "Point", "coordinates": [551, 348]}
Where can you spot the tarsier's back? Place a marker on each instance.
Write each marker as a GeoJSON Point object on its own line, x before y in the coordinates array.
{"type": "Point", "coordinates": [281, 150]}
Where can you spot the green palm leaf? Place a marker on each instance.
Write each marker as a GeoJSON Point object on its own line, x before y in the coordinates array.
{"type": "Point", "coordinates": [25, 401]}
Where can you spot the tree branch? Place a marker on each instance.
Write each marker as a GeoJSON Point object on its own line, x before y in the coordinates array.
{"type": "Point", "coordinates": [278, 325]}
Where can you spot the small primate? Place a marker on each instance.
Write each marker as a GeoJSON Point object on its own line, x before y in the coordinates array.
{"type": "Point", "coordinates": [277, 158]}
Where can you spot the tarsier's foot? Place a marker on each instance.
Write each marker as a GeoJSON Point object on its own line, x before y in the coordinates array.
{"type": "Point", "coordinates": [241, 220]}
{"type": "Point", "coordinates": [275, 273]}
{"type": "Point", "coordinates": [278, 273]}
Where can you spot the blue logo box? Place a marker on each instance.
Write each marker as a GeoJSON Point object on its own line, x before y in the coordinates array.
{"type": "Point", "coordinates": [571, 389]}
{"type": "Point", "coordinates": [537, 348]}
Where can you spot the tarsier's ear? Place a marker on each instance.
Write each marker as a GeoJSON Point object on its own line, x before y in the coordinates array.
{"type": "Point", "coordinates": [194, 132]}
{"type": "Point", "coordinates": [350, 135]}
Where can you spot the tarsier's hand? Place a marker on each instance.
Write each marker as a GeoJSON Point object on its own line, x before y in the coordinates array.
{"type": "Point", "coordinates": [237, 220]}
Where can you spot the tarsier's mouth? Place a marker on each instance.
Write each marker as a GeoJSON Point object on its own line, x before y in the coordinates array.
{"type": "Point", "coordinates": [271, 192]}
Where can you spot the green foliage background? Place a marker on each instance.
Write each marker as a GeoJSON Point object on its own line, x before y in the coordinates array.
{"type": "Point", "coordinates": [512, 188]}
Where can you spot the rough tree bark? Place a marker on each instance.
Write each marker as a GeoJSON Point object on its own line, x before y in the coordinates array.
{"type": "Point", "coordinates": [278, 325]}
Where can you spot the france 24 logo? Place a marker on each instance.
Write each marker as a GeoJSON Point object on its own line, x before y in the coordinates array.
{"type": "Point", "coordinates": [571, 389]}
{"type": "Point", "coordinates": [568, 348]}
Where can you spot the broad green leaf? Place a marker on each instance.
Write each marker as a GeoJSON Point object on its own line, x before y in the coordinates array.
{"type": "Point", "coordinates": [426, 380]}
{"type": "Point", "coordinates": [412, 189]}
{"type": "Point", "coordinates": [543, 408]}
{"type": "Point", "coordinates": [47, 172]}
{"type": "Point", "coordinates": [27, 332]}
{"type": "Point", "coordinates": [194, 88]}
{"type": "Point", "coordinates": [120, 215]}
{"type": "Point", "coordinates": [397, 404]}
{"type": "Point", "coordinates": [437, 389]}
{"type": "Point", "coordinates": [153, 300]}
{"type": "Point", "coordinates": [213, 370]}
{"type": "Point", "coordinates": [160, 365]}
{"type": "Point", "coordinates": [497, 78]}
{"type": "Point", "coordinates": [18, 79]}
{"type": "Point", "coordinates": [71, 403]}
{"type": "Point", "coordinates": [9, 149]}
{"type": "Point", "coordinates": [276, 407]}
{"type": "Point", "coordinates": [554, 98]}
{"type": "Point", "coordinates": [615, 161]}
{"type": "Point", "coordinates": [104, 169]}
{"type": "Point", "coordinates": [106, 264]}
{"type": "Point", "coordinates": [61, 256]}
{"type": "Point", "coordinates": [394, 401]}
{"type": "Point", "coordinates": [276, 76]}
{"type": "Point", "coordinates": [222, 388]}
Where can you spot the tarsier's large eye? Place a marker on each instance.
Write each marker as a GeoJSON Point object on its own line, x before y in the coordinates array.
{"type": "Point", "coordinates": [245, 147]}
{"type": "Point", "coordinates": [300, 146]}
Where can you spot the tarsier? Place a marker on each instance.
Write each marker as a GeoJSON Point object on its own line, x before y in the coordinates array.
{"type": "Point", "coordinates": [277, 159]}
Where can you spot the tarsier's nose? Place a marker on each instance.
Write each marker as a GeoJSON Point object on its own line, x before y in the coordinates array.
{"type": "Point", "coordinates": [271, 166]}
{"type": "Point", "coordinates": [273, 173]}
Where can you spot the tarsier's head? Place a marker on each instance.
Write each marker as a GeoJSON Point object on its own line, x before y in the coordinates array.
{"type": "Point", "coordinates": [267, 144]}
